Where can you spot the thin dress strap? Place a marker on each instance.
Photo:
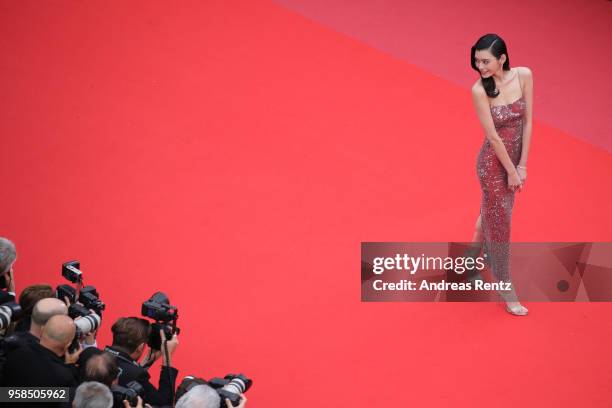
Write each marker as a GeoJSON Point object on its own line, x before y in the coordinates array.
{"type": "Point", "coordinates": [519, 78]}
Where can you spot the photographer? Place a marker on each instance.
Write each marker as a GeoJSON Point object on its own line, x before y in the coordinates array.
{"type": "Point", "coordinates": [203, 396]}
{"type": "Point", "coordinates": [100, 367]}
{"type": "Point", "coordinates": [42, 312]}
{"type": "Point", "coordinates": [48, 363]}
{"type": "Point", "coordinates": [8, 256]}
{"type": "Point", "coordinates": [27, 300]}
{"type": "Point", "coordinates": [92, 394]}
{"type": "Point", "coordinates": [130, 336]}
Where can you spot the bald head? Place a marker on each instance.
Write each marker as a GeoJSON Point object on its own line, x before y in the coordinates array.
{"type": "Point", "coordinates": [46, 308]}
{"type": "Point", "coordinates": [102, 368]}
{"type": "Point", "coordinates": [59, 329]}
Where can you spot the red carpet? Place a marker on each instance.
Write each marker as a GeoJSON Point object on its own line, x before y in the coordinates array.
{"type": "Point", "coordinates": [555, 39]}
{"type": "Point", "coordinates": [235, 154]}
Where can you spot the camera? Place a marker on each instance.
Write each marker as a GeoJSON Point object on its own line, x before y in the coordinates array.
{"type": "Point", "coordinates": [85, 306]}
{"type": "Point", "coordinates": [89, 297]}
{"type": "Point", "coordinates": [129, 393]}
{"type": "Point", "coordinates": [85, 324]}
{"type": "Point", "coordinates": [71, 270]}
{"type": "Point", "coordinates": [189, 381]}
{"type": "Point", "coordinates": [63, 292]}
{"type": "Point", "coordinates": [9, 309]}
{"type": "Point", "coordinates": [76, 310]}
{"type": "Point", "coordinates": [230, 387]}
{"type": "Point", "coordinates": [165, 315]}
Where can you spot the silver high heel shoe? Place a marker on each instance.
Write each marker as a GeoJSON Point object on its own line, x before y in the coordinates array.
{"type": "Point", "coordinates": [517, 309]}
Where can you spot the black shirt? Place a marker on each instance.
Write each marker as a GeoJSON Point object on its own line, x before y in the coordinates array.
{"type": "Point", "coordinates": [33, 365]}
{"type": "Point", "coordinates": [132, 371]}
{"type": "Point", "coordinates": [12, 343]}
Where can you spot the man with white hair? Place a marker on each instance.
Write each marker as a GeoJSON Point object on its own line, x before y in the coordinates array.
{"type": "Point", "coordinates": [8, 256]}
{"type": "Point", "coordinates": [204, 396]}
{"type": "Point", "coordinates": [201, 396]}
{"type": "Point", "coordinates": [92, 394]}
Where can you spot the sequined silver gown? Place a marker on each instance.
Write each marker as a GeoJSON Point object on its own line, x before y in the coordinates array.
{"type": "Point", "coordinates": [497, 198]}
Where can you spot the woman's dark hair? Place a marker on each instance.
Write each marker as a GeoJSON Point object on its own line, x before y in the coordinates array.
{"type": "Point", "coordinates": [496, 46]}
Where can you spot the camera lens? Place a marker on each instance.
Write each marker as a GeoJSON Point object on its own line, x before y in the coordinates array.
{"type": "Point", "coordinates": [238, 385]}
{"type": "Point", "coordinates": [87, 324]}
{"type": "Point", "coordinates": [9, 311]}
{"type": "Point", "coordinates": [5, 316]}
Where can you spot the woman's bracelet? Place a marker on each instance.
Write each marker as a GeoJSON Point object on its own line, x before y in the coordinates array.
{"type": "Point", "coordinates": [522, 167]}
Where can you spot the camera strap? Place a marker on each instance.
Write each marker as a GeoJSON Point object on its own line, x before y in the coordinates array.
{"type": "Point", "coordinates": [165, 351]}
{"type": "Point", "coordinates": [118, 355]}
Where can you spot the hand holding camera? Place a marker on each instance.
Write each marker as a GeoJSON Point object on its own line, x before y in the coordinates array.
{"type": "Point", "coordinates": [11, 281]}
{"type": "Point", "coordinates": [150, 358]}
{"type": "Point", "coordinates": [171, 345]}
{"type": "Point", "coordinates": [72, 355]}
{"type": "Point", "coordinates": [243, 401]}
{"type": "Point", "coordinates": [126, 404]}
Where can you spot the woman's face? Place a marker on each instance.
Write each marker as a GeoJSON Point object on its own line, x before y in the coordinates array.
{"type": "Point", "coordinates": [486, 63]}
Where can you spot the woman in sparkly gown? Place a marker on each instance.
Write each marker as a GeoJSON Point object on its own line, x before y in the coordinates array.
{"type": "Point", "coordinates": [503, 101]}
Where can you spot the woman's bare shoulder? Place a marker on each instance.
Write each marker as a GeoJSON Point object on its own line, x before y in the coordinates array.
{"type": "Point", "coordinates": [525, 72]}
{"type": "Point", "coordinates": [478, 89]}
